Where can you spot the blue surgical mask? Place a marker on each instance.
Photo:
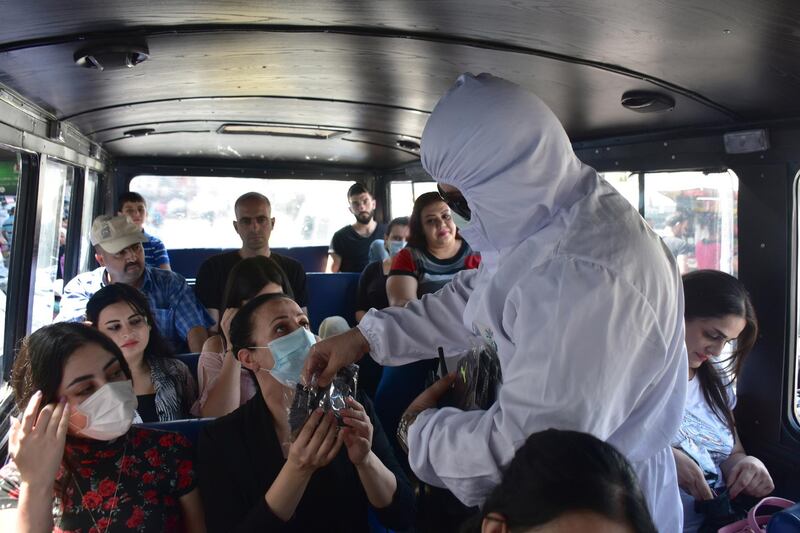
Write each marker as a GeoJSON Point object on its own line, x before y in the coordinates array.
{"type": "Point", "coordinates": [458, 220]}
{"type": "Point", "coordinates": [290, 353]}
{"type": "Point", "coordinates": [395, 247]}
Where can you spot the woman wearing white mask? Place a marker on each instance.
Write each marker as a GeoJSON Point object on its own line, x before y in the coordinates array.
{"type": "Point", "coordinates": [579, 297]}
{"type": "Point", "coordinates": [77, 465]}
{"type": "Point", "coordinates": [254, 478]}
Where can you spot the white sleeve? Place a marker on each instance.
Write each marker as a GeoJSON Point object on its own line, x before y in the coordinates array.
{"type": "Point", "coordinates": [399, 335]}
{"type": "Point", "coordinates": [579, 349]}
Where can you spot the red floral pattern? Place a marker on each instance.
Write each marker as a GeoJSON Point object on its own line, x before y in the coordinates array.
{"type": "Point", "coordinates": [156, 471]}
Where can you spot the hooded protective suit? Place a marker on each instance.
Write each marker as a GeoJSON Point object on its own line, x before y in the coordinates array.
{"type": "Point", "coordinates": [582, 300]}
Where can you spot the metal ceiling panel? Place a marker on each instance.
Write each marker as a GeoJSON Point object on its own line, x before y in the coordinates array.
{"type": "Point", "coordinates": [205, 145]}
{"type": "Point", "coordinates": [378, 68]}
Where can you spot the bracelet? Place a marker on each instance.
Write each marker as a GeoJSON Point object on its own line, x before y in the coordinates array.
{"type": "Point", "coordinates": [406, 420]}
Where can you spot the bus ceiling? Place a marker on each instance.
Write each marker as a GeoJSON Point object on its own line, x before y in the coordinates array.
{"type": "Point", "coordinates": [347, 83]}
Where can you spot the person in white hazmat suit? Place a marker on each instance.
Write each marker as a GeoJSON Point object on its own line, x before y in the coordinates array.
{"type": "Point", "coordinates": [581, 298]}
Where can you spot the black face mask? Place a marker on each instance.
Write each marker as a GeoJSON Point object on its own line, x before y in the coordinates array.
{"type": "Point", "coordinates": [456, 202]}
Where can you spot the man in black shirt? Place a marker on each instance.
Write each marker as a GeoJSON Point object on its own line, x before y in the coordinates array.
{"type": "Point", "coordinates": [349, 249]}
{"type": "Point", "coordinates": [254, 225]}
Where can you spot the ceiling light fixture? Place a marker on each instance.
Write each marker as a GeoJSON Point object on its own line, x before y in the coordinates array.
{"type": "Point", "coordinates": [647, 101]}
{"type": "Point", "coordinates": [281, 130]}
{"type": "Point", "coordinates": [112, 56]}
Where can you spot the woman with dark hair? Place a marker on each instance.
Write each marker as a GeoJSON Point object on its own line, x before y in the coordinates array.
{"type": "Point", "coordinates": [255, 477]}
{"type": "Point", "coordinates": [372, 283]}
{"type": "Point", "coordinates": [708, 453]}
{"type": "Point", "coordinates": [76, 462]}
{"type": "Point", "coordinates": [164, 386]}
{"type": "Point", "coordinates": [565, 481]}
{"type": "Point", "coordinates": [224, 384]}
{"type": "Point", "coordinates": [434, 254]}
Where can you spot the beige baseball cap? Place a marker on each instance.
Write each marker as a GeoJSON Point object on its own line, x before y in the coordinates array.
{"type": "Point", "coordinates": [115, 233]}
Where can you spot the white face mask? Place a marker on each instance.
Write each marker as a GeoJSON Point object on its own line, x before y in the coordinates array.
{"type": "Point", "coordinates": [458, 220]}
{"type": "Point", "coordinates": [106, 414]}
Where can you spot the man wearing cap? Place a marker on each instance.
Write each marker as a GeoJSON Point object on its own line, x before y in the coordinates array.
{"type": "Point", "coordinates": [118, 249]}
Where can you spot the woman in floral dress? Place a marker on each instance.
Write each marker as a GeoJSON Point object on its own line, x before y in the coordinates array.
{"type": "Point", "coordinates": [77, 464]}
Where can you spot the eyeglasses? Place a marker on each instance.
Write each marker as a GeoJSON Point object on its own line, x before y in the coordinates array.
{"type": "Point", "coordinates": [456, 202]}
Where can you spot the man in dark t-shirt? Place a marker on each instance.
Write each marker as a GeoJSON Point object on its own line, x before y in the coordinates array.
{"type": "Point", "coordinates": [254, 225]}
{"type": "Point", "coordinates": [675, 238]}
{"type": "Point", "coordinates": [349, 250]}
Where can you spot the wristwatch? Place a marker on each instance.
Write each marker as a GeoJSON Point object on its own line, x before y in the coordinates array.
{"type": "Point", "coordinates": [406, 420]}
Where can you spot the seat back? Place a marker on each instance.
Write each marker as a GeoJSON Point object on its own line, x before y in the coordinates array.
{"type": "Point", "coordinates": [191, 360]}
{"type": "Point", "coordinates": [189, 428]}
{"type": "Point", "coordinates": [186, 262]}
{"type": "Point", "coordinates": [331, 294]}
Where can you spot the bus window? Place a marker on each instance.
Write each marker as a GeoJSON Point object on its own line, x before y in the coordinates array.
{"type": "Point", "coordinates": [9, 180]}
{"type": "Point", "coordinates": [796, 400]}
{"type": "Point", "coordinates": [197, 212]}
{"type": "Point", "coordinates": [56, 185]}
{"type": "Point", "coordinates": [89, 194]}
{"type": "Point", "coordinates": [626, 183]}
{"type": "Point", "coordinates": [696, 215]}
{"type": "Point", "coordinates": [402, 195]}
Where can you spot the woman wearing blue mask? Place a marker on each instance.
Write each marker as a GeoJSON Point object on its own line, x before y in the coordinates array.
{"type": "Point", "coordinates": [77, 464]}
{"type": "Point", "coordinates": [255, 478]}
{"type": "Point", "coordinates": [224, 384]}
{"type": "Point", "coordinates": [372, 283]}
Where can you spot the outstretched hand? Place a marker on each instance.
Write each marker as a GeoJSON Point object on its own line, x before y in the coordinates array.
{"type": "Point", "coordinates": [331, 354]}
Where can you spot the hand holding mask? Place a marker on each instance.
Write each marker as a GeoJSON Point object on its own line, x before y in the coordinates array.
{"type": "Point", "coordinates": [331, 398]}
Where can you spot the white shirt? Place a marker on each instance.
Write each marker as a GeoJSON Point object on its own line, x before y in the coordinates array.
{"type": "Point", "coordinates": [581, 298]}
{"type": "Point", "coordinates": [708, 440]}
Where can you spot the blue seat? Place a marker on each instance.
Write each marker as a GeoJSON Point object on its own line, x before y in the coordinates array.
{"type": "Point", "coordinates": [331, 294]}
{"type": "Point", "coordinates": [191, 360]}
{"type": "Point", "coordinates": [186, 262]}
{"type": "Point", "coordinates": [189, 428]}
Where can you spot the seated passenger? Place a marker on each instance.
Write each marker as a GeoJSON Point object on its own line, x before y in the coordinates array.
{"type": "Point", "coordinates": [118, 248]}
{"type": "Point", "coordinates": [435, 252]}
{"type": "Point", "coordinates": [224, 384]}
{"type": "Point", "coordinates": [565, 481]}
{"type": "Point", "coordinates": [349, 249]}
{"type": "Point", "coordinates": [254, 478]}
{"type": "Point", "coordinates": [133, 205]}
{"type": "Point", "coordinates": [708, 452]}
{"type": "Point", "coordinates": [372, 283]}
{"type": "Point", "coordinates": [164, 386]}
{"type": "Point", "coordinates": [371, 294]}
{"type": "Point", "coordinates": [77, 465]}
{"type": "Point", "coordinates": [254, 223]}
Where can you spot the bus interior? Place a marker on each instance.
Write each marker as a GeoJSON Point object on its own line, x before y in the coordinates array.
{"type": "Point", "coordinates": [682, 105]}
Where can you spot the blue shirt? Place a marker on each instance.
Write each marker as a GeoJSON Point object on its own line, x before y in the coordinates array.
{"type": "Point", "coordinates": [155, 253]}
{"type": "Point", "coordinates": [172, 302]}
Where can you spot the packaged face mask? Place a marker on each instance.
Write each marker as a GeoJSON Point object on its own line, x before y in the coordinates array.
{"type": "Point", "coordinates": [478, 379]}
{"type": "Point", "coordinates": [330, 398]}
{"type": "Point", "coordinates": [289, 353]}
{"type": "Point", "coordinates": [106, 414]}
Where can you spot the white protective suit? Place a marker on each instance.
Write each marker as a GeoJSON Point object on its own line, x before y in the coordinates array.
{"type": "Point", "coordinates": [583, 301]}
